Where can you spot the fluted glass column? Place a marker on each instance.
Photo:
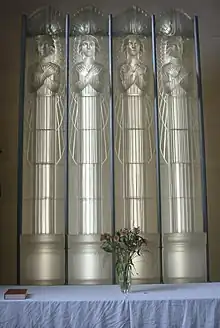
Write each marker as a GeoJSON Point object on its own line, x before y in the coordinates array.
{"type": "Point", "coordinates": [183, 239]}
{"type": "Point", "coordinates": [89, 213]}
{"type": "Point", "coordinates": [134, 142]}
{"type": "Point", "coordinates": [42, 238]}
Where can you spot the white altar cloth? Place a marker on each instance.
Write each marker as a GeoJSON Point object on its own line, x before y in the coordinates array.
{"type": "Point", "coordinates": [150, 306]}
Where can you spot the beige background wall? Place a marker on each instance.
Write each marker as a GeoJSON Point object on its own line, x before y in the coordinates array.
{"type": "Point", "coordinates": [208, 12]}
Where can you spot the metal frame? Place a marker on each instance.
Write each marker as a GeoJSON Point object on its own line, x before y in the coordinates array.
{"type": "Point", "coordinates": [157, 139]}
{"type": "Point", "coordinates": [66, 138]}
{"type": "Point", "coordinates": [20, 139]}
{"type": "Point", "coordinates": [202, 138]}
{"type": "Point", "coordinates": [112, 139]}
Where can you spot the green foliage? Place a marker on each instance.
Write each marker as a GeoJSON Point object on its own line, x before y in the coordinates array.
{"type": "Point", "coordinates": [126, 244]}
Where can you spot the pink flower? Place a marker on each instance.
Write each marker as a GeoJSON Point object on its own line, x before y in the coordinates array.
{"type": "Point", "coordinates": [116, 238]}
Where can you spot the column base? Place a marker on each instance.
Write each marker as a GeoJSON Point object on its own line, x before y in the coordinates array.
{"type": "Point", "coordinates": [184, 258]}
{"type": "Point", "coordinates": [42, 259]}
{"type": "Point", "coordinates": [87, 262]}
{"type": "Point", "coordinates": [147, 266]}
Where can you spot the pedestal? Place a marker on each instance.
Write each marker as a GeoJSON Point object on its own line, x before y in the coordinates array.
{"type": "Point", "coordinates": [88, 263]}
{"type": "Point", "coordinates": [184, 257]}
{"type": "Point", "coordinates": [42, 260]}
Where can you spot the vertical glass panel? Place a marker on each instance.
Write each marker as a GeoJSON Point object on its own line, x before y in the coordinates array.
{"type": "Point", "coordinates": [89, 212]}
{"type": "Point", "coordinates": [180, 148]}
{"type": "Point", "coordinates": [179, 127]}
{"type": "Point", "coordinates": [42, 242]}
{"type": "Point", "coordinates": [134, 139]}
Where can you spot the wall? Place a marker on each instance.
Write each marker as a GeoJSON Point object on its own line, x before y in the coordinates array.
{"type": "Point", "coordinates": [208, 12]}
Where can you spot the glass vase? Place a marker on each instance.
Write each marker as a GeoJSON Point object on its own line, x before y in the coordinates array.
{"type": "Point", "coordinates": [124, 278]}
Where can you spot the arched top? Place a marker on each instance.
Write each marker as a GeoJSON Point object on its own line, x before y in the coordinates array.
{"type": "Point", "coordinates": [89, 20]}
{"type": "Point", "coordinates": [46, 20]}
{"type": "Point", "coordinates": [174, 22]}
{"type": "Point", "coordinates": [132, 21]}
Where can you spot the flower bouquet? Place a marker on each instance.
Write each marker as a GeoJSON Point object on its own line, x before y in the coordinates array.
{"type": "Point", "coordinates": [126, 244]}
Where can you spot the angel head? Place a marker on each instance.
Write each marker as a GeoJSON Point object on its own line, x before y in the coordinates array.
{"type": "Point", "coordinates": [132, 46]}
{"type": "Point", "coordinates": [88, 46]}
{"type": "Point", "coordinates": [45, 45]}
{"type": "Point", "coordinates": [174, 47]}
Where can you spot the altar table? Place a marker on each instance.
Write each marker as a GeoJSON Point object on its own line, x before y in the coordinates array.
{"type": "Point", "coordinates": [153, 306]}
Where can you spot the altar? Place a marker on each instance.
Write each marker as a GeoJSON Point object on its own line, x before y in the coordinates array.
{"type": "Point", "coordinates": [153, 306]}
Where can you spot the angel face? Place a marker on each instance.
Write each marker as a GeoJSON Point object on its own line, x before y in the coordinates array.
{"type": "Point", "coordinates": [132, 46]}
{"type": "Point", "coordinates": [175, 47]}
{"type": "Point", "coordinates": [88, 48]}
{"type": "Point", "coordinates": [44, 46]}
